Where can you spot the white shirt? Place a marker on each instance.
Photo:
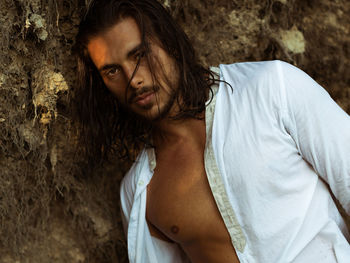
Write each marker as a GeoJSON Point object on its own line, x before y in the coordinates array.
{"type": "Point", "coordinates": [270, 140]}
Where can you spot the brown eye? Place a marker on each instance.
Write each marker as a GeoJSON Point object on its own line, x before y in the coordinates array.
{"type": "Point", "coordinates": [111, 73]}
{"type": "Point", "coordinates": [139, 55]}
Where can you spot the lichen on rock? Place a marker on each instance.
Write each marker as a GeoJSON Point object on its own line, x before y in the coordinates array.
{"type": "Point", "coordinates": [39, 25]}
{"type": "Point", "coordinates": [47, 85]}
{"type": "Point", "coordinates": [293, 40]}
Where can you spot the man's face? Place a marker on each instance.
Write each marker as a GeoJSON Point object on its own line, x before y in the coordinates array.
{"type": "Point", "coordinates": [115, 54]}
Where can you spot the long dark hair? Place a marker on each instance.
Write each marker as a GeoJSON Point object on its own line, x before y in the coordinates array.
{"type": "Point", "coordinates": [106, 125]}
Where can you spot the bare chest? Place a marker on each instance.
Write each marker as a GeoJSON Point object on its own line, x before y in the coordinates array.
{"type": "Point", "coordinates": [180, 203]}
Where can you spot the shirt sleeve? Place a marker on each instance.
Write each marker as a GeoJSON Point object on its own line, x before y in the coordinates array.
{"type": "Point", "coordinates": [319, 127]}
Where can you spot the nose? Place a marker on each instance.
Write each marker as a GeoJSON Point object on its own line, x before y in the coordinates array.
{"type": "Point", "coordinates": [134, 75]}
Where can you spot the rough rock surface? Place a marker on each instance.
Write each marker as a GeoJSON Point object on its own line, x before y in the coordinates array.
{"type": "Point", "coordinates": [49, 210]}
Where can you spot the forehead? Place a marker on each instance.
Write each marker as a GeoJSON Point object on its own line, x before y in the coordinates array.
{"type": "Point", "coordinates": [113, 44]}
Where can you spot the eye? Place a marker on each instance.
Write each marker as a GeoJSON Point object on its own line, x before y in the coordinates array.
{"type": "Point", "coordinates": [111, 73]}
{"type": "Point", "coordinates": [140, 55]}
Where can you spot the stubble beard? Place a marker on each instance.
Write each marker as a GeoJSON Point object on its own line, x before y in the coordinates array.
{"type": "Point", "coordinates": [162, 112]}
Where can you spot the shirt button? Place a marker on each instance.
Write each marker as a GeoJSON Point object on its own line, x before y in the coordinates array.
{"type": "Point", "coordinates": [140, 183]}
{"type": "Point", "coordinates": [153, 163]}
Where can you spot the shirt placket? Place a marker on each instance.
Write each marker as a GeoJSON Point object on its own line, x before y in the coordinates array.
{"type": "Point", "coordinates": [217, 186]}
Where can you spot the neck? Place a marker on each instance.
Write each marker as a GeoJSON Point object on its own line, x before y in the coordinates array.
{"type": "Point", "coordinates": [169, 131]}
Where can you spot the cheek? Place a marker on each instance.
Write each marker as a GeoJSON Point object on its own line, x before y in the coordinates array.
{"type": "Point", "coordinates": [117, 88]}
{"type": "Point", "coordinates": [117, 92]}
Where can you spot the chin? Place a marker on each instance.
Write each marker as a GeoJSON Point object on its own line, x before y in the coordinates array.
{"type": "Point", "coordinates": [154, 116]}
{"type": "Point", "coordinates": [154, 112]}
{"type": "Point", "coordinates": [151, 114]}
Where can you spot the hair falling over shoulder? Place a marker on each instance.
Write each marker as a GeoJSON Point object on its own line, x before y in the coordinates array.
{"type": "Point", "coordinates": [106, 126]}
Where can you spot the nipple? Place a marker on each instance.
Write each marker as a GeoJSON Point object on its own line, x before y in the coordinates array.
{"type": "Point", "coordinates": [175, 229]}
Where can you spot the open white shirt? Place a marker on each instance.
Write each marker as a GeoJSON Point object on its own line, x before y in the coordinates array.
{"type": "Point", "coordinates": [270, 140]}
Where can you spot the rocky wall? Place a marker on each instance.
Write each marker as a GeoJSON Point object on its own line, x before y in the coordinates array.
{"type": "Point", "coordinates": [50, 211]}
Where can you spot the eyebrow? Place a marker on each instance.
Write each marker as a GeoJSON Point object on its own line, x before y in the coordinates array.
{"type": "Point", "coordinates": [131, 53]}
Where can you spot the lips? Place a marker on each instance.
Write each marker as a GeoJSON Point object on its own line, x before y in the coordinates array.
{"type": "Point", "coordinates": [144, 98]}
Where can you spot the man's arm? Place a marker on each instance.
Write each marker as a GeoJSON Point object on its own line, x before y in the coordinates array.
{"type": "Point", "coordinates": [319, 127]}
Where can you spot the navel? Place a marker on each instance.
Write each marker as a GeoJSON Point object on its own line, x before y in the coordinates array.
{"type": "Point", "coordinates": [175, 229]}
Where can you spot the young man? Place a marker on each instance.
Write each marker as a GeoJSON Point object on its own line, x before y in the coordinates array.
{"type": "Point", "coordinates": [229, 170]}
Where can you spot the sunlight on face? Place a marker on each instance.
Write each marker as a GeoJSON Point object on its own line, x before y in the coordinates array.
{"type": "Point", "coordinates": [116, 52]}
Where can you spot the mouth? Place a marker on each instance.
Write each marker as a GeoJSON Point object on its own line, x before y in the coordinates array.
{"type": "Point", "coordinates": [144, 99]}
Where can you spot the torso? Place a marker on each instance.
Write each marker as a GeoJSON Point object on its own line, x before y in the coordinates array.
{"type": "Point", "coordinates": [181, 207]}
